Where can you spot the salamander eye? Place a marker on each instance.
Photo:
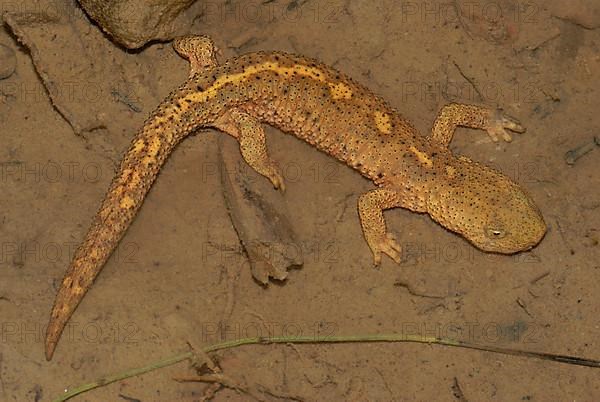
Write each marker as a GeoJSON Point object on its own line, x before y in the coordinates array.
{"type": "Point", "coordinates": [495, 233]}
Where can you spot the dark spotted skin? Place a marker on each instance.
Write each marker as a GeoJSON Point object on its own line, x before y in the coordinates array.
{"type": "Point", "coordinates": [339, 117]}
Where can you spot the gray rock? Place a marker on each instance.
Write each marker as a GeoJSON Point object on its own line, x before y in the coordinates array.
{"type": "Point", "coordinates": [133, 23]}
{"type": "Point", "coordinates": [8, 61]}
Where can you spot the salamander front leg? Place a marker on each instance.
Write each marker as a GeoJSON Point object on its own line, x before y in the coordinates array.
{"type": "Point", "coordinates": [199, 50]}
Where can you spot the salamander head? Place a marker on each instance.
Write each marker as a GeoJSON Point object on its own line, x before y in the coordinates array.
{"type": "Point", "coordinates": [485, 207]}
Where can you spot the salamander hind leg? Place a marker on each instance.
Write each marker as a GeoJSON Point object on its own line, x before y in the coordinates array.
{"type": "Point", "coordinates": [253, 146]}
{"type": "Point", "coordinates": [493, 121]}
{"type": "Point", "coordinates": [499, 122]}
{"type": "Point", "coordinates": [199, 50]}
{"type": "Point", "coordinates": [370, 211]}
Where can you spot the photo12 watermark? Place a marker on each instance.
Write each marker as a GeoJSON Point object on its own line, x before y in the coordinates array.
{"type": "Point", "coordinates": [17, 253]}
{"type": "Point", "coordinates": [50, 171]}
{"type": "Point", "coordinates": [216, 332]}
{"type": "Point", "coordinates": [292, 172]}
{"type": "Point", "coordinates": [31, 332]}
{"type": "Point", "coordinates": [523, 12]}
{"type": "Point", "coordinates": [309, 252]}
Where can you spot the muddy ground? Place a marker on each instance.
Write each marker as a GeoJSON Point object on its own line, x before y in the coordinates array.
{"type": "Point", "coordinates": [179, 274]}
